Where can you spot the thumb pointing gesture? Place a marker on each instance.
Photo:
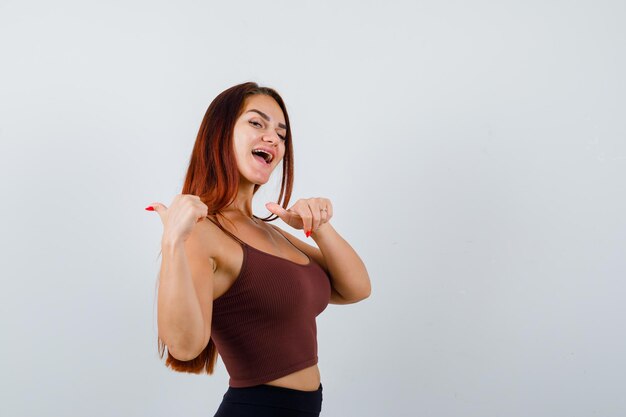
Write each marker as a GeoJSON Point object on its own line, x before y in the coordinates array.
{"type": "Point", "coordinates": [181, 217]}
{"type": "Point", "coordinates": [161, 209]}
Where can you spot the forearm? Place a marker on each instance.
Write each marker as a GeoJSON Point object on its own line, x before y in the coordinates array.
{"type": "Point", "coordinates": [180, 321]}
{"type": "Point", "coordinates": [348, 273]}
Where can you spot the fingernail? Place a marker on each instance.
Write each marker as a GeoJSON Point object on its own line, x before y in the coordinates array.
{"type": "Point", "coordinates": [308, 233]}
{"type": "Point", "coordinates": [150, 208]}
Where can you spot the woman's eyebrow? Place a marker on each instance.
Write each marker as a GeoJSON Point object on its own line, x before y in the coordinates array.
{"type": "Point", "coordinates": [266, 117]}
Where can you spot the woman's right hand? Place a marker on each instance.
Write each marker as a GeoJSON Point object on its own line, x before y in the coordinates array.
{"type": "Point", "coordinates": [180, 218]}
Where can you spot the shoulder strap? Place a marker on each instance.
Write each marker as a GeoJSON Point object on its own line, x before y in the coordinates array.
{"type": "Point", "coordinates": [217, 223]}
{"type": "Point", "coordinates": [280, 232]}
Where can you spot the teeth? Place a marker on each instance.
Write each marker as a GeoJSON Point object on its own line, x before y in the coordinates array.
{"type": "Point", "coordinates": [266, 155]}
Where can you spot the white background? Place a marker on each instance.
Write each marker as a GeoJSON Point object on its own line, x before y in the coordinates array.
{"type": "Point", "coordinates": [474, 153]}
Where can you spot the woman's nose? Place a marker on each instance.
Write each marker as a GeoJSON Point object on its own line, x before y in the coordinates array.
{"type": "Point", "coordinates": [272, 137]}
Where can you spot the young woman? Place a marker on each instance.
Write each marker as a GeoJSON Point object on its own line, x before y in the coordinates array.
{"type": "Point", "coordinates": [234, 284]}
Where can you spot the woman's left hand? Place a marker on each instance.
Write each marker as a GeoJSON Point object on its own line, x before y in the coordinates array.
{"type": "Point", "coordinates": [308, 214]}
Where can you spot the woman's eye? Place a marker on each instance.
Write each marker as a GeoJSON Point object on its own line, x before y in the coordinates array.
{"type": "Point", "coordinates": [252, 122]}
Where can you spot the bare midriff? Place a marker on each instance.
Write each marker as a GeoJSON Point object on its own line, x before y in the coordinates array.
{"type": "Point", "coordinates": [307, 379]}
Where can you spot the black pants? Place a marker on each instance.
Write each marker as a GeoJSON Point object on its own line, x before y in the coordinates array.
{"type": "Point", "coordinates": [270, 401]}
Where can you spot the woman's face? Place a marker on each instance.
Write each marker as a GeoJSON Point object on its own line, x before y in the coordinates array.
{"type": "Point", "coordinates": [260, 126]}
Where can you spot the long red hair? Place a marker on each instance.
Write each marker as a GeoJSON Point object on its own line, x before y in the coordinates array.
{"type": "Point", "coordinates": [214, 177]}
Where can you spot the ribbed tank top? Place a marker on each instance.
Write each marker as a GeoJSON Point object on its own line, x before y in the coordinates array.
{"type": "Point", "coordinates": [264, 325]}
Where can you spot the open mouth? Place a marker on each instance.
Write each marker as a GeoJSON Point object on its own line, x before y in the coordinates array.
{"type": "Point", "coordinates": [262, 156]}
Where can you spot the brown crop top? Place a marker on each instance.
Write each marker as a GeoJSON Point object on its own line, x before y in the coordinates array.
{"type": "Point", "coordinates": [264, 326]}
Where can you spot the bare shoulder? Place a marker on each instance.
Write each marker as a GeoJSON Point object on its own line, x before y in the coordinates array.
{"type": "Point", "coordinates": [203, 242]}
{"type": "Point", "coordinates": [313, 252]}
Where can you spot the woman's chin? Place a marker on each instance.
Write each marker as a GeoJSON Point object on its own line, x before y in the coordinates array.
{"type": "Point", "coordinates": [259, 177]}
{"type": "Point", "coordinates": [257, 181]}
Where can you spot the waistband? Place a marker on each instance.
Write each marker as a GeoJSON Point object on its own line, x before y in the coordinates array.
{"type": "Point", "coordinates": [279, 397]}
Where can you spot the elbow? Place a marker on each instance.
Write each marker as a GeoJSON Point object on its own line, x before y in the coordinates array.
{"type": "Point", "coordinates": [360, 297]}
{"type": "Point", "coordinates": [177, 352]}
{"type": "Point", "coordinates": [367, 291]}
{"type": "Point", "coordinates": [184, 352]}
{"type": "Point", "coordinates": [365, 287]}
{"type": "Point", "coordinates": [183, 355]}
{"type": "Point", "coordinates": [365, 295]}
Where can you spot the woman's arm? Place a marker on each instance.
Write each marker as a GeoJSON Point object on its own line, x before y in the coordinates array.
{"type": "Point", "coordinates": [184, 318]}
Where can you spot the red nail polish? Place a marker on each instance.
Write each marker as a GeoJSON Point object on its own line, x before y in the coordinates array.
{"type": "Point", "coordinates": [150, 208]}
{"type": "Point", "coordinates": [308, 233]}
